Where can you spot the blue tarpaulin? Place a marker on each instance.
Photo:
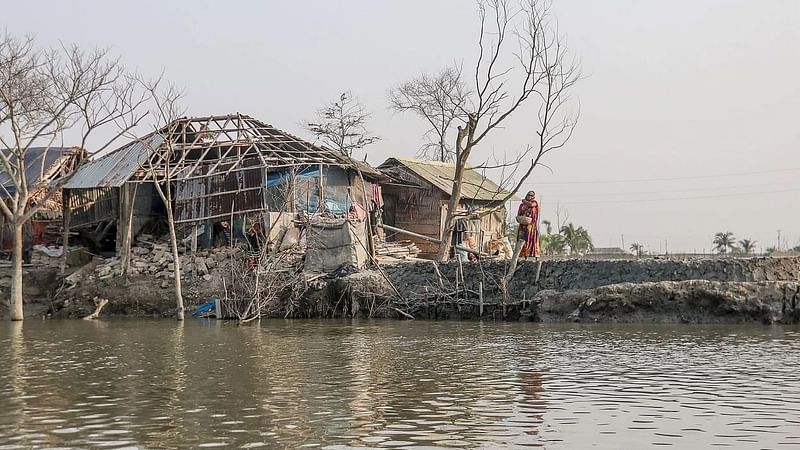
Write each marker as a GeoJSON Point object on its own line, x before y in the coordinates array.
{"type": "Point", "coordinates": [307, 190]}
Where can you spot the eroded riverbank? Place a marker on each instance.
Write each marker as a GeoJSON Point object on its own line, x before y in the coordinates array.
{"type": "Point", "coordinates": [733, 290]}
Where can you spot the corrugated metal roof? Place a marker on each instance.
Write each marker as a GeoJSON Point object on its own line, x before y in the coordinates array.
{"type": "Point", "coordinates": [115, 168]}
{"type": "Point", "coordinates": [368, 171]}
{"type": "Point", "coordinates": [475, 186]}
{"type": "Point", "coordinates": [38, 160]}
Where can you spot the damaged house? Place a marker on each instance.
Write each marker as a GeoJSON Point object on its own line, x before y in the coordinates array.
{"type": "Point", "coordinates": [226, 172]}
{"type": "Point", "coordinates": [416, 199]}
{"type": "Point", "coordinates": [43, 166]}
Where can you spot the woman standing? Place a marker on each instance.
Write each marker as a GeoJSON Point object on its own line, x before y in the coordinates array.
{"type": "Point", "coordinates": [528, 219]}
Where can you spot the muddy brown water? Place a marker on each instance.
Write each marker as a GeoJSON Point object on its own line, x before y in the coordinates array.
{"type": "Point", "coordinates": [337, 385]}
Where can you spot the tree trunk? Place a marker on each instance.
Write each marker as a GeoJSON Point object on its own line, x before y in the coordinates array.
{"type": "Point", "coordinates": [177, 261]}
{"type": "Point", "coordinates": [452, 209]}
{"type": "Point", "coordinates": [128, 201]}
{"type": "Point", "coordinates": [512, 267]}
{"type": "Point", "coordinates": [65, 238]}
{"type": "Point", "coordinates": [166, 197]}
{"type": "Point", "coordinates": [15, 303]}
{"type": "Point", "coordinates": [449, 223]}
{"type": "Point", "coordinates": [462, 157]}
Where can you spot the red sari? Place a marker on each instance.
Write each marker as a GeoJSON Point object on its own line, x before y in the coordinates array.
{"type": "Point", "coordinates": [529, 234]}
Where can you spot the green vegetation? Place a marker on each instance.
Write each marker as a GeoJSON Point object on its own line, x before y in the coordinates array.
{"type": "Point", "coordinates": [570, 240]}
{"type": "Point", "coordinates": [724, 241]}
{"type": "Point", "coordinates": [747, 246]}
{"type": "Point", "coordinates": [577, 239]}
{"type": "Point", "coordinates": [638, 249]}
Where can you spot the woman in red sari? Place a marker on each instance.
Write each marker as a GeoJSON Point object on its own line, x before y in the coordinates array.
{"type": "Point", "coordinates": [529, 234]}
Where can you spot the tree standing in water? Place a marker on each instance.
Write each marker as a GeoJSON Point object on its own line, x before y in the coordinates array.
{"type": "Point", "coordinates": [47, 96]}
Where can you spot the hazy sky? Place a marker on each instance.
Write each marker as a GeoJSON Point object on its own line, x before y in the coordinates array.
{"type": "Point", "coordinates": [677, 90]}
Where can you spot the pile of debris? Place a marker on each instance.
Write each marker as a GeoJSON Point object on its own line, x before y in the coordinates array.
{"type": "Point", "coordinates": [41, 258]}
{"type": "Point", "coordinates": [159, 263]}
{"type": "Point", "coordinates": [397, 249]}
{"type": "Point", "coordinates": [154, 258]}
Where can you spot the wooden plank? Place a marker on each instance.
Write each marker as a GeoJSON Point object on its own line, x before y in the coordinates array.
{"type": "Point", "coordinates": [410, 233]}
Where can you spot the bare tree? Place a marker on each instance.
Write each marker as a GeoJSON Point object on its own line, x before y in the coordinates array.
{"type": "Point", "coordinates": [270, 279]}
{"type": "Point", "coordinates": [162, 152]}
{"type": "Point", "coordinates": [46, 96]}
{"type": "Point", "coordinates": [521, 56]}
{"type": "Point", "coordinates": [341, 125]}
{"type": "Point", "coordinates": [440, 101]}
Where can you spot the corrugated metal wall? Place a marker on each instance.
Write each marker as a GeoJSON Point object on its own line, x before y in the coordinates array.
{"type": "Point", "coordinates": [91, 206]}
{"type": "Point", "coordinates": [220, 195]}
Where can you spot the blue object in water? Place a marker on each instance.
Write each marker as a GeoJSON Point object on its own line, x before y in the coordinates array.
{"type": "Point", "coordinates": [206, 309]}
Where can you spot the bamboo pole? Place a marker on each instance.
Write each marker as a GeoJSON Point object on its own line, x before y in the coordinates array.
{"type": "Point", "coordinates": [538, 270]}
{"type": "Point", "coordinates": [370, 239]}
{"type": "Point", "coordinates": [194, 239]}
{"type": "Point", "coordinates": [410, 233]}
{"type": "Point", "coordinates": [480, 298]}
{"type": "Point", "coordinates": [513, 265]}
{"type": "Point", "coordinates": [130, 203]}
{"type": "Point", "coordinates": [65, 243]}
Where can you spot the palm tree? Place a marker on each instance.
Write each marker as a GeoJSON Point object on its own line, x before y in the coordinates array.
{"type": "Point", "coordinates": [553, 244]}
{"type": "Point", "coordinates": [747, 246]}
{"type": "Point", "coordinates": [637, 248]}
{"type": "Point", "coordinates": [724, 242]}
{"type": "Point", "coordinates": [578, 239]}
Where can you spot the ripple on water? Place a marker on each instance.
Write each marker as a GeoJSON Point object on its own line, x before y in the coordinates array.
{"type": "Point", "coordinates": [392, 385]}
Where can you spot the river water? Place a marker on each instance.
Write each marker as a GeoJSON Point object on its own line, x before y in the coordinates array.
{"type": "Point", "coordinates": [337, 385]}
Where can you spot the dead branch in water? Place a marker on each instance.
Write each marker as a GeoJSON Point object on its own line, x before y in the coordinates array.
{"type": "Point", "coordinates": [103, 302]}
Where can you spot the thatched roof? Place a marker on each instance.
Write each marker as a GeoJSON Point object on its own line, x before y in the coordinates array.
{"type": "Point", "coordinates": [441, 175]}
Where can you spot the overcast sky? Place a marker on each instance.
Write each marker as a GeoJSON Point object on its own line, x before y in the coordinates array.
{"type": "Point", "coordinates": [703, 93]}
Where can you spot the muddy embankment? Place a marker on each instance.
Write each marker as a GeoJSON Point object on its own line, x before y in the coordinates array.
{"type": "Point", "coordinates": [734, 290]}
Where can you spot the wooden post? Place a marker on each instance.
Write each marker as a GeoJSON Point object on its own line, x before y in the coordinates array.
{"type": "Point", "coordinates": [119, 239]}
{"type": "Point", "coordinates": [370, 239]}
{"type": "Point", "coordinates": [321, 202]}
{"type": "Point", "coordinates": [480, 298]}
{"type": "Point", "coordinates": [128, 201]}
{"type": "Point", "coordinates": [65, 242]}
{"type": "Point", "coordinates": [2, 228]}
{"type": "Point", "coordinates": [410, 233]}
{"type": "Point", "coordinates": [480, 241]}
{"type": "Point", "coordinates": [124, 227]}
{"type": "Point", "coordinates": [538, 270]}
{"type": "Point", "coordinates": [194, 239]}
{"type": "Point", "coordinates": [218, 308]}
{"type": "Point", "coordinates": [513, 265]}
{"type": "Point", "coordinates": [457, 278]}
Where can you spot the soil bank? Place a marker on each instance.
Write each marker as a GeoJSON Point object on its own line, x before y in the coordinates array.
{"type": "Point", "coordinates": [713, 290]}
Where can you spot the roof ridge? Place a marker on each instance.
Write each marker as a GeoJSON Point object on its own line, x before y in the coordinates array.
{"type": "Point", "coordinates": [431, 162]}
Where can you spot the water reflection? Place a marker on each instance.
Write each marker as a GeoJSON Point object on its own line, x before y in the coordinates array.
{"type": "Point", "coordinates": [335, 385]}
